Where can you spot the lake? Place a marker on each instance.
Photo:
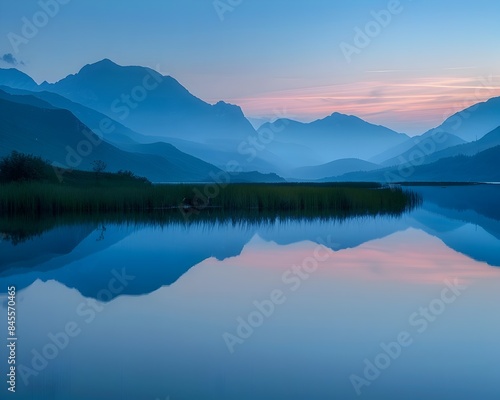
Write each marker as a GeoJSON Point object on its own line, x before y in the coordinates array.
{"type": "Point", "coordinates": [386, 307]}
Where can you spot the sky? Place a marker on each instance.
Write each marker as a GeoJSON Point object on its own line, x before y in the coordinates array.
{"type": "Point", "coordinates": [404, 64]}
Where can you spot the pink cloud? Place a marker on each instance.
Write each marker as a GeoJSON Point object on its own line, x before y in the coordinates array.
{"type": "Point", "coordinates": [395, 102]}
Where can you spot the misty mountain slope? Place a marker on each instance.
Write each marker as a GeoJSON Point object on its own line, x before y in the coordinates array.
{"type": "Point", "coordinates": [338, 136]}
{"type": "Point", "coordinates": [17, 79]}
{"type": "Point", "coordinates": [217, 135]}
{"type": "Point", "coordinates": [482, 167]}
{"type": "Point", "coordinates": [334, 168]}
{"type": "Point", "coordinates": [28, 99]}
{"type": "Point", "coordinates": [109, 130]}
{"type": "Point", "coordinates": [468, 125]}
{"type": "Point", "coordinates": [187, 162]}
{"type": "Point", "coordinates": [488, 141]}
{"type": "Point", "coordinates": [393, 151]}
{"type": "Point", "coordinates": [288, 156]}
{"type": "Point", "coordinates": [151, 104]}
{"type": "Point", "coordinates": [226, 152]}
{"type": "Point", "coordinates": [473, 122]}
{"type": "Point", "coordinates": [123, 137]}
{"type": "Point", "coordinates": [57, 135]}
{"type": "Point", "coordinates": [425, 145]}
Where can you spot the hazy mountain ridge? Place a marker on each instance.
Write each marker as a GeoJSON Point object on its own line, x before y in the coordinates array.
{"type": "Point", "coordinates": [488, 141]}
{"type": "Point", "coordinates": [150, 103]}
{"type": "Point", "coordinates": [338, 136]}
{"type": "Point", "coordinates": [172, 124]}
{"type": "Point", "coordinates": [473, 122]}
{"type": "Point", "coordinates": [56, 134]}
{"type": "Point", "coordinates": [16, 79]}
{"type": "Point", "coordinates": [461, 168]}
{"type": "Point", "coordinates": [425, 147]}
{"type": "Point", "coordinates": [333, 168]}
{"type": "Point", "coordinates": [93, 119]}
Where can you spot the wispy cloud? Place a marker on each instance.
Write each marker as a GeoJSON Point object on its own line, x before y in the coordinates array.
{"type": "Point", "coordinates": [406, 105]}
{"type": "Point", "coordinates": [9, 58]}
{"type": "Point", "coordinates": [458, 68]}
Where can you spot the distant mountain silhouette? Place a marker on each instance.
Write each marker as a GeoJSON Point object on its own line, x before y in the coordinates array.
{"type": "Point", "coordinates": [426, 144]}
{"type": "Point", "coordinates": [16, 79]}
{"type": "Point", "coordinates": [153, 104]}
{"type": "Point", "coordinates": [148, 109]}
{"type": "Point", "coordinates": [488, 141]}
{"type": "Point", "coordinates": [338, 136]}
{"type": "Point", "coordinates": [464, 133]}
{"type": "Point", "coordinates": [126, 139]}
{"type": "Point", "coordinates": [253, 176]}
{"type": "Point", "coordinates": [49, 133]}
{"type": "Point", "coordinates": [477, 168]}
{"type": "Point", "coordinates": [467, 126]}
{"type": "Point", "coordinates": [167, 112]}
{"type": "Point", "coordinates": [474, 122]}
{"type": "Point", "coordinates": [28, 98]}
{"type": "Point", "coordinates": [93, 119]}
{"type": "Point", "coordinates": [334, 168]}
{"type": "Point", "coordinates": [222, 152]}
{"type": "Point", "coordinates": [426, 150]}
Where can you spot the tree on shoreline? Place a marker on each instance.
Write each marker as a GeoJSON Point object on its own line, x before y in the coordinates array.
{"type": "Point", "coordinates": [98, 166]}
{"type": "Point", "coordinates": [18, 167]}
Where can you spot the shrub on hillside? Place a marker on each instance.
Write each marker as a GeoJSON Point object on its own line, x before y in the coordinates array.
{"type": "Point", "coordinates": [18, 167]}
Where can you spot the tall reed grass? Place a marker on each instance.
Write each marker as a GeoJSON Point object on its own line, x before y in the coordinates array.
{"type": "Point", "coordinates": [35, 198]}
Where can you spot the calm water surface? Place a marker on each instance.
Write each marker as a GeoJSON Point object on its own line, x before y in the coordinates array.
{"type": "Point", "coordinates": [373, 308]}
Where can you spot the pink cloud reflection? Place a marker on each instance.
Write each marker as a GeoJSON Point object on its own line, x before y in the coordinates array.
{"type": "Point", "coordinates": [411, 256]}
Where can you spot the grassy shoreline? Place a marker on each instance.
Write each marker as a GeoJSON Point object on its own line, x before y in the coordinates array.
{"type": "Point", "coordinates": [128, 197]}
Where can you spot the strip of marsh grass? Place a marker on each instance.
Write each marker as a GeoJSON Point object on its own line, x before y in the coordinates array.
{"type": "Point", "coordinates": [18, 229]}
{"type": "Point", "coordinates": [37, 198]}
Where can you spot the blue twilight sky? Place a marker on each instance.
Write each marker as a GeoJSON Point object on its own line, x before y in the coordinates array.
{"type": "Point", "coordinates": [279, 57]}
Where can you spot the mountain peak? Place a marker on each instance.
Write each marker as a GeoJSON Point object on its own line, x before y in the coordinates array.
{"type": "Point", "coordinates": [109, 70]}
{"type": "Point", "coordinates": [223, 105]}
{"type": "Point", "coordinates": [105, 63]}
{"type": "Point", "coordinates": [340, 116]}
{"type": "Point", "coordinates": [224, 108]}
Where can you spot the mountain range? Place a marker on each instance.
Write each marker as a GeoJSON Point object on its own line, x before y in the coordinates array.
{"type": "Point", "coordinates": [57, 135]}
{"type": "Point", "coordinates": [338, 136]}
{"type": "Point", "coordinates": [152, 125]}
